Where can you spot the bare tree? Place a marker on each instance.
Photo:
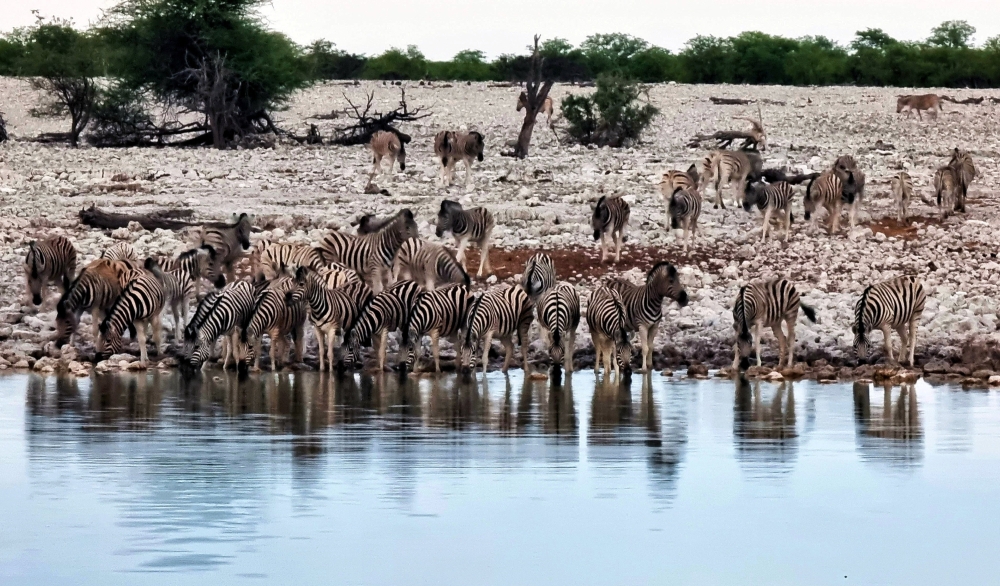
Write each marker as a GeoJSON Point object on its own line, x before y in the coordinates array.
{"type": "Point", "coordinates": [70, 94]}
{"type": "Point", "coordinates": [215, 95]}
{"type": "Point", "coordinates": [534, 94]}
{"type": "Point", "coordinates": [3, 128]}
{"type": "Point", "coordinates": [368, 121]}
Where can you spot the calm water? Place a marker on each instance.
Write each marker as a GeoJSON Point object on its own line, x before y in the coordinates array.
{"type": "Point", "coordinates": [308, 479]}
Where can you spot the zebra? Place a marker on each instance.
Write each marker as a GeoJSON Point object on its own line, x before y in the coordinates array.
{"type": "Point", "coordinates": [766, 304]}
{"type": "Point", "coordinates": [902, 190]}
{"type": "Point", "coordinates": [852, 180]}
{"type": "Point", "coordinates": [894, 304]}
{"type": "Point", "coordinates": [450, 146]}
{"type": "Point", "coordinates": [825, 191]}
{"type": "Point", "coordinates": [683, 210]}
{"type": "Point", "coordinates": [502, 312]}
{"type": "Point", "coordinates": [369, 223]}
{"type": "Point", "coordinates": [385, 143]}
{"type": "Point", "coordinates": [644, 304]}
{"type": "Point", "coordinates": [439, 313]}
{"type": "Point", "coordinates": [122, 251]}
{"type": "Point", "coordinates": [52, 260]}
{"type": "Point", "coordinates": [474, 225]}
{"type": "Point", "coordinates": [671, 180]}
{"type": "Point", "coordinates": [337, 275]}
{"type": "Point", "coordinates": [539, 275]}
{"type": "Point", "coordinates": [387, 312]}
{"type": "Point", "coordinates": [548, 107]}
{"type": "Point", "coordinates": [330, 310]}
{"type": "Point", "coordinates": [225, 311]}
{"type": "Point", "coordinates": [195, 263]}
{"type": "Point", "coordinates": [732, 167]}
{"type": "Point", "coordinates": [558, 312]}
{"type": "Point", "coordinates": [225, 245]}
{"type": "Point", "coordinates": [96, 288]}
{"type": "Point", "coordinates": [371, 255]}
{"type": "Point", "coordinates": [275, 258]}
{"type": "Point", "coordinates": [428, 264]}
{"type": "Point", "coordinates": [965, 172]}
{"type": "Point", "coordinates": [276, 316]}
{"type": "Point", "coordinates": [139, 305]}
{"type": "Point", "coordinates": [770, 198]}
{"type": "Point", "coordinates": [610, 218]}
{"type": "Point", "coordinates": [607, 322]}
{"type": "Point", "coordinates": [178, 288]}
{"type": "Point", "coordinates": [947, 190]}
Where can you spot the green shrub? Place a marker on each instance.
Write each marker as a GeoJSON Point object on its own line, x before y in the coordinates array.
{"type": "Point", "coordinates": [612, 116]}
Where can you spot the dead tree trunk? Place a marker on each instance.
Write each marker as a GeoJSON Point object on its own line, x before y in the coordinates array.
{"type": "Point", "coordinates": [215, 96]}
{"type": "Point", "coordinates": [165, 219]}
{"type": "Point", "coordinates": [534, 95]}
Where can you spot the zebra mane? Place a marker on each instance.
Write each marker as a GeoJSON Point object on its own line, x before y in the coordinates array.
{"type": "Point", "coordinates": [671, 270]}
{"type": "Point", "coordinates": [472, 315]}
{"type": "Point", "coordinates": [859, 312]}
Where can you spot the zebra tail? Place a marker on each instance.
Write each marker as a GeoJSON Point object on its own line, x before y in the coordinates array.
{"type": "Point", "coordinates": [744, 335]}
{"type": "Point", "coordinates": [809, 311]}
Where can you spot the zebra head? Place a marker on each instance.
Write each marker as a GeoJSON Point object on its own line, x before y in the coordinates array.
{"type": "Point", "coordinates": [744, 337]}
{"type": "Point", "coordinates": [242, 230]}
{"type": "Point", "coordinates": [753, 195]}
{"type": "Point", "coordinates": [601, 216]}
{"type": "Point", "coordinates": [34, 268]}
{"type": "Point", "coordinates": [109, 342]}
{"type": "Point", "coordinates": [666, 281]}
{"type": "Point", "coordinates": [401, 157]}
{"type": "Point", "coordinates": [445, 216]}
{"type": "Point", "coordinates": [522, 101]}
{"type": "Point", "coordinates": [623, 352]}
{"type": "Point", "coordinates": [556, 352]}
{"type": "Point", "coordinates": [473, 330]}
{"type": "Point", "coordinates": [809, 203]}
{"type": "Point", "coordinates": [479, 145]}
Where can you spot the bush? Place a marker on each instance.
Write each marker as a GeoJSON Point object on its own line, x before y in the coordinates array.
{"type": "Point", "coordinates": [612, 116]}
{"type": "Point", "coordinates": [120, 119]}
{"type": "Point", "coordinates": [327, 62]}
{"type": "Point", "coordinates": [397, 64]}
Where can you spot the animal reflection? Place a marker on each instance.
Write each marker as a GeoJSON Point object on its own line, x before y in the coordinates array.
{"type": "Point", "coordinates": [890, 432]}
{"type": "Point", "coordinates": [764, 429]}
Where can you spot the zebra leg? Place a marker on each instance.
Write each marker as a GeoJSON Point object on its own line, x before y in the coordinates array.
{"type": "Point", "coordinates": [758, 332]}
{"type": "Point", "coordinates": [487, 342]}
{"type": "Point", "coordinates": [776, 328]}
{"type": "Point", "coordinates": [604, 247]}
{"type": "Point", "coordinates": [904, 342]}
{"type": "Point", "coordinates": [788, 221]}
{"type": "Point", "coordinates": [140, 331]}
{"type": "Point", "coordinates": [569, 343]}
{"type": "Point", "coordinates": [508, 348]}
{"type": "Point", "coordinates": [619, 236]}
{"type": "Point", "coordinates": [767, 223]}
{"type": "Point", "coordinates": [392, 162]}
{"type": "Point", "coordinates": [522, 345]}
{"type": "Point", "coordinates": [383, 341]}
{"type": "Point", "coordinates": [468, 170]}
{"type": "Point", "coordinates": [376, 166]}
{"type": "Point", "coordinates": [319, 342]}
{"type": "Point", "coordinates": [484, 258]}
{"type": "Point", "coordinates": [597, 354]}
{"type": "Point", "coordinates": [887, 341]}
{"type": "Point", "coordinates": [718, 194]}
{"type": "Point", "coordinates": [331, 350]}
{"type": "Point", "coordinates": [460, 254]}
{"type": "Point", "coordinates": [790, 341]}
{"type": "Point", "coordinates": [736, 357]}
{"type": "Point", "coordinates": [436, 351]}
{"type": "Point", "coordinates": [913, 337]}
{"type": "Point", "coordinates": [272, 351]}
{"type": "Point", "coordinates": [298, 338]}
{"type": "Point", "coordinates": [157, 324]}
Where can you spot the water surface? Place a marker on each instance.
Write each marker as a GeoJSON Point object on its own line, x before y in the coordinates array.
{"type": "Point", "coordinates": [305, 479]}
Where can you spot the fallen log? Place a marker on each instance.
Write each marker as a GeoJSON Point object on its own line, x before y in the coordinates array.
{"type": "Point", "coordinates": [164, 219]}
{"type": "Point", "coordinates": [966, 101]}
{"type": "Point", "coordinates": [725, 138]}
{"type": "Point", "coordinates": [729, 101]}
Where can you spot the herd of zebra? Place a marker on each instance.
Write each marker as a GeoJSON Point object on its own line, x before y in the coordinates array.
{"type": "Point", "coordinates": [356, 289]}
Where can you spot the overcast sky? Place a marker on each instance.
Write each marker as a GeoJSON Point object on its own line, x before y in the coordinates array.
{"type": "Point", "coordinates": [441, 28]}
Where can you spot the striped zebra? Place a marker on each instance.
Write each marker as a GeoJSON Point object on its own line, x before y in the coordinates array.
{"type": "Point", "coordinates": [730, 167]}
{"type": "Point", "coordinates": [451, 146]}
{"type": "Point", "coordinates": [386, 144]}
{"type": "Point", "coordinates": [273, 314]}
{"type": "Point", "coordinates": [371, 255]}
{"type": "Point", "coordinates": [474, 225]}
{"type": "Point", "coordinates": [96, 288]}
{"type": "Point", "coordinates": [122, 251]}
{"type": "Point", "coordinates": [539, 275]}
{"type": "Point", "coordinates": [387, 312]}
{"type": "Point", "coordinates": [671, 180]}
{"type": "Point", "coordinates": [946, 190]}
{"type": "Point", "coordinates": [607, 322]}
{"type": "Point", "coordinates": [225, 245]}
{"type": "Point", "coordinates": [195, 263]}
{"type": "Point", "coordinates": [438, 313]}
{"type": "Point", "coordinates": [139, 305]}
{"type": "Point", "coordinates": [337, 275]}
{"type": "Point", "coordinates": [852, 179]}
{"type": "Point", "coordinates": [52, 260]}
{"type": "Point", "coordinates": [558, 311]}
{"type": "Point", "coordinates": [276, 258]}
{"type": "Point", "coordinates": [965, 172]}
{"type": "Point", "coordinates": [902, 191]}
{"type": "Point", "coordinates": [894, 304]}
{"type": "Point", "coordinates": [427, 264]}
{"type": "Point", "coordinates": [825, 191]}
{"type": "Point", "coordinates": [500, 312]}
{"type": "Point", "coordinates": [178, 289]}
{"type": "Point", "coordinates": [225, 311]}
{"type": "Point", "coordinates": [644, 304]}
{"type": "Point", "coordinates": [683, 210]}
{"type": "Point", "coordinates": [331, 311]}
{"type": "Point", "coordinates": [610, 218]}
{"type": "Point", "coordinates": [770, 198]}
{"type": "Point", "coordinates": [766, 304]}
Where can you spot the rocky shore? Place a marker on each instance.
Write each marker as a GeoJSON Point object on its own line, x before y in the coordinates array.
{"type": "Point", "coordinates": [298, 192]}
